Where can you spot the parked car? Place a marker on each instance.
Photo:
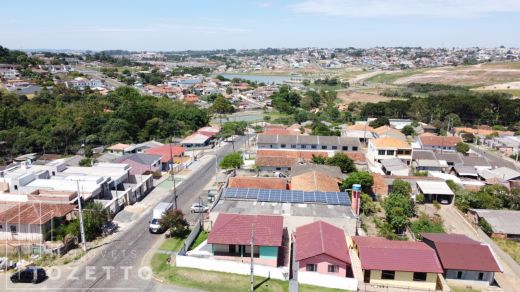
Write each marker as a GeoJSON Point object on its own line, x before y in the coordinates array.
{"type": "Point", "coordinates": [158, 212]}
{"type": "Point", "coordinates": [445, 202]}
{"type": "Point", "coordinates": [198, 208]}
{"type": "Point", "coordinates": [32, 274]}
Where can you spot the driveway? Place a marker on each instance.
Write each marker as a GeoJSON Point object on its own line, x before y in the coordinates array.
{"type": "Point", "coordinates": [455, 222]}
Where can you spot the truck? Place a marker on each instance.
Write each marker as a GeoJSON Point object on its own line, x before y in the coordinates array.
{"type": "Point", "coordinates": [157, 214]}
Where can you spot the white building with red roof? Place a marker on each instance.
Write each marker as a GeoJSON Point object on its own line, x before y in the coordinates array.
{"type": "Point", "coordinates": [399, 264]}
{"type": "Point", "coordinates": [231, 234]}
{"type": "Point", "coordinates": [462, 258]}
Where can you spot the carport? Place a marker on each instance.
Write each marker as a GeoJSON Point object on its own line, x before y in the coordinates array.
{"type": "Point", "coordinates": [435, 191]}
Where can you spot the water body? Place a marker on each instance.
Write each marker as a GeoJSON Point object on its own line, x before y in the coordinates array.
{"type": "Point", "coordinates": [267, 79]}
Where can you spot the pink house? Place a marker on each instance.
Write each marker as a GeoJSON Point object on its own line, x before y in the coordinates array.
{"type": "Point", "coordinates": [322, 248]}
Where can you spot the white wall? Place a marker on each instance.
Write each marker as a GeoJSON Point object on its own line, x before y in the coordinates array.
{"type": "Point", "coordinates": [317, 279]}
{"type": "Point", "coordinates": [231, 267]}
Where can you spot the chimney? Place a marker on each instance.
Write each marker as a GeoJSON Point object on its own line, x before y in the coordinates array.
{"type": "Point", "coordinates": [356, 198]}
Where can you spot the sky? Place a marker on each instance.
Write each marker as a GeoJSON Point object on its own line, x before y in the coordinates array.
{"type": "Point", "coordinates": [169, 25]}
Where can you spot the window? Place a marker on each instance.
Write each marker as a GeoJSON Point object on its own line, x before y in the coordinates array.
{"type": "Point", "coordinates": [480, 276]}
{"type": "Point", "coordinates": [13, 229]}
{"type": "Point", "coordinates": [293, 146]}
{"type": "Point", "coordinates": [232, 248]}
{"type": "Point", "coordinates": [387, 275]}
{"type": "Point", "coordinates": [283, 145]}
{"type": "Point", "coordinates": [390, 152]}
{"type": "Point", "coordinates": [278, 168]}
{"type": "Point", "coordinates": [419, 277]}
{"type": "Point", "coordinates": [311, 267]}
{"type": "Point", "coordinates": [333, 269]}
{"type": "Point", "coordinates": [323, 147]}
{"type": "Point", "coordinates": [303, 146]}
{"type": "Point", "coordinates": [381, 152]}
{"type": "Point", "coordinates": [1, 227]}
{"type": "Point", "coordinates": [313, 146]}
{"type": "Point", "coordinates": [354, 148]}
{"type": "Point", "coordinates": [459, 275]}
{"type": "Point", "coordinates": [271, 146]}
{"type": "Point", "coordinates": [15, 187]}
{"type": "Point", "coordinates": [344, 148]}
{"type": "Point", "coordinates": [334, 147]}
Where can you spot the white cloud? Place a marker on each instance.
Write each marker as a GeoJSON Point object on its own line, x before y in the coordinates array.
{"type": "Point", "coordinates": [396, 8]}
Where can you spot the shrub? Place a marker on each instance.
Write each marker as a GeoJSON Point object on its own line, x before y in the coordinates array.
{"type": "Point", "coordinates": [484, 225]}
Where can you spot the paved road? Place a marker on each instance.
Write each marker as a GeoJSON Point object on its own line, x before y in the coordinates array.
{"type": "Point", "coordinates": [455, 223]}
{"type": "Point", "coordinates": [494, 159]}
{"type": "Point", "coordinates": [98, 75]}
{"type": "Point", "coordinates": [122, 264]}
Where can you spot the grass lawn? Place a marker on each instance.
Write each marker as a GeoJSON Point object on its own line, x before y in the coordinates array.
{"type": "Point", "coordinates": [203, 235]}
{"type": "Point", "coordinates": [216, 281]}
{"type": "Point", "coordinates": [389, 78]}
{"type": "Point", "coordinates": [172, 244]}
{"type": "Point", "coordinates": [511, 247]}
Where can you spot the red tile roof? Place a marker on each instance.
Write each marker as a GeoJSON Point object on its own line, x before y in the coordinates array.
{"type": "Point", "coordinates": [258, 183]}
{"type": "Point", "coordinates": [321, 238]}
{"type": "Point", "coordinates": [236, 229]}
{"type": "Point", "coordinates": [307, 155]}
{"type": "Point", "coordinates": [459, 252]}
{"type": "Point", "coordinates": [448, 141]}
{"type": "Point", "coordinates": [314, 181]}
{"type": "Point", "coordinates": [165, 152]}
{"type": "Point", "coordinates": [275, 161]}
{"type": "Point", "coordinates": [377, 253]}
{"type": "Point", "coordinates": [34, 213]}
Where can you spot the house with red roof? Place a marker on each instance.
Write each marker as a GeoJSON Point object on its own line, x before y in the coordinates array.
{"type": "Point", "coordinates": [231, 234]}
{"type": "Point", "coordinates": [399, 264]}
{"type": "Point", "coordinates": [463, 258]}
{"type": "Point", "coordinates": [442, 143]}
{"type": "Point", "coordinates": [167, 153]}
{"type": "Point", "coordinates": [321, 247]}
{"type": "Point", "coordinates": [30, 222]}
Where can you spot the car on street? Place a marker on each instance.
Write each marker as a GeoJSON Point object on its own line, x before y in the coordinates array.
{"type": "Point", "coordinates": [199, 208]}
{"type": "Point", "coordinates": [31, 274]}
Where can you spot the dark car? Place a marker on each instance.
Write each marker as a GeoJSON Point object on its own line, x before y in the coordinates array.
{"type": "Point", "coordinates": [29, 275]}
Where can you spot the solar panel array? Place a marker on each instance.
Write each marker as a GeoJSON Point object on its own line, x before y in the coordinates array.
{"type": "Point", "coordinates": [287, 196]}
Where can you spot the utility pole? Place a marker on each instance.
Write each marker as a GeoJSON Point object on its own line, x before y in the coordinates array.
{"type": "Point", "coordinates": [81, 225]}
{"type": "Point", "coordinates": [173, 176]}
{"type": "Point", "coordinates": [252, 280]}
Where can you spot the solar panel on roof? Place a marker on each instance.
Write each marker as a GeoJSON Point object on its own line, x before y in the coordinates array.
{"type": "Point", "coordinates": [287, 196]}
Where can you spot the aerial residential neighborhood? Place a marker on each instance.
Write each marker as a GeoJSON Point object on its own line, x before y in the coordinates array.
{"type": "Point", "coordinates": [299, 145]}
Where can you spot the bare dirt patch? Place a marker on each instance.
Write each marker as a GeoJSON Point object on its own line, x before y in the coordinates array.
{"type": "Point", "coordinates": [348, 97]}
{"type": "Point", "coordinates": [472, 76]}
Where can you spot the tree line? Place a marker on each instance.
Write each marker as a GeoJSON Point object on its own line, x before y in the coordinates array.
{"type": "Point", "coordinates": [61, 120]}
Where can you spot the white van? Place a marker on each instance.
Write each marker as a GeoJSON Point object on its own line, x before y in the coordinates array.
{"type": "Point", "coordinates": [157, 214]}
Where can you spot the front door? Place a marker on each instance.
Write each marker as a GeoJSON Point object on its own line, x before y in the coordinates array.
{"type": "Point", "coordinates": [367, 276]}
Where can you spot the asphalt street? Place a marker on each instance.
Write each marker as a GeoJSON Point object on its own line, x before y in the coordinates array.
{"type": "Point", "coordinates": [121, 265]}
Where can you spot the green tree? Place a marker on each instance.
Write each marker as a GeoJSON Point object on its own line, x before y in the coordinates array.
{"type": "Point", "coordinates": [94, 218]}
{"type": "Point", "coordinates": [342, 161]}
{"type": "Point", "coordinates": [485, 226]}
{"type": "Point", "coordinates": [408, 130]}
{"type": "Point", "coordinates": [381, 121]}
{"type": "Point", "coordinates": [232, 128]}
{"type": "Point", "coordinates": [232, 160]}
{"type": "Point", "coordinates": [318, 159]}
{"type": "Point", "coordinates": [462, 148]}
{"type": "Point", "coordinates": [425, 224]}
{"type": "Point", "coordinates": [401, 187]}
{"type": "Point", "coordinates": [368, 206]}
{"type": "Point", "coordinates": [174, 221]}
{"type": "Point", "coordinates": [222, 105]}
{"type": "Point", "coordinates": [362, 177]}
{"type": "Point", "coordinates": [85, 162]}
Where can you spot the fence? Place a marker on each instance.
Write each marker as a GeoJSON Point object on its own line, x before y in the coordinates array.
{"type": "Point", "coordinates": [317, 279]}
{"type": "Point", "coordinates": [191, 238]}
{"type": "Point", "coordinates": [231, 267]}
